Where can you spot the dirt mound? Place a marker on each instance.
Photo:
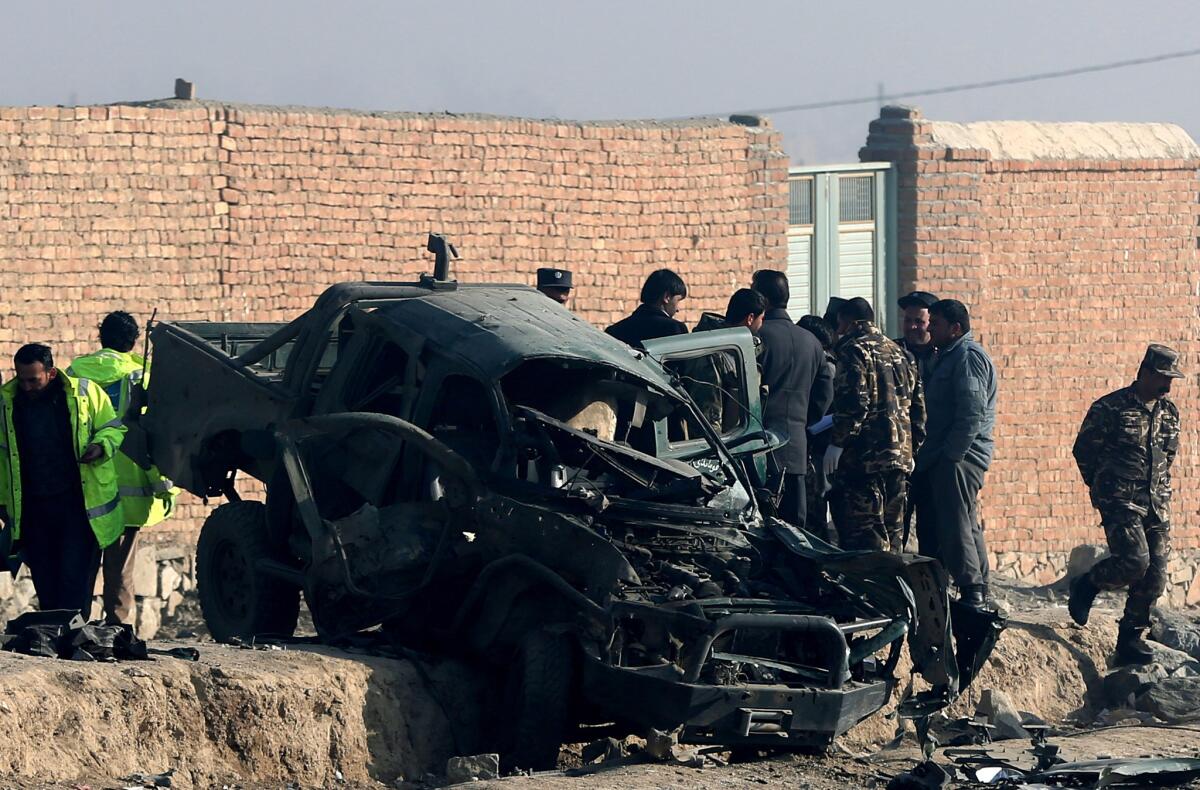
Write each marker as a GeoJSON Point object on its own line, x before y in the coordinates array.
{"type": "Point", "coordinates": [1044, 663]}
{"type": "Point", "coordinates": [308, 715]}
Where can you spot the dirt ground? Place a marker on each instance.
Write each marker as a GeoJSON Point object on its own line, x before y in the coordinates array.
{"type": "Point", "coordinates": [312, 716]}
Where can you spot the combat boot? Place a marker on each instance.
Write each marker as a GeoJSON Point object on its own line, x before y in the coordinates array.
{"type": "Point", "coordinates": [1083, 593]}
{"type": "Point", "coordinates": [1131, 648]}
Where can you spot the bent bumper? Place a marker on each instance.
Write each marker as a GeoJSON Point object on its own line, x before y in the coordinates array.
{"type": "Point", "coordinates": [744, 715]}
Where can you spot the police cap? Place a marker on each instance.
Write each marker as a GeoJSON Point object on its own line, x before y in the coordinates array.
{"type": "Point", "coordinates": [917, 299]}
{"type": "Point", "coordinates": [553, 278]}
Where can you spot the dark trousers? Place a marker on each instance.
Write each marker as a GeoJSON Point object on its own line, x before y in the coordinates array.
{"type": "Point", "coordinates": [816, 485]}
{"type": "Point", "coordinates": [868, 510]}
{"type": "Point", "coordinates": [1139, 548]}
{"type": "Point", "coordinates": [58, 545]}
{"type": "Point", "coordinates": [948, 521]}
{"type": "Point", "coordinates": [117, 563]}
{"type": "Point", "coordinates": [793, 505]}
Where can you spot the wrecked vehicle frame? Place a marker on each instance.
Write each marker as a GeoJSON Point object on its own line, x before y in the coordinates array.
{"type": "Point", "coordinates": [482, 473]}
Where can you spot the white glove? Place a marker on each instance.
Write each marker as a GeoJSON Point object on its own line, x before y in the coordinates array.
{"type": "Point", "coordinates": [832, 456]}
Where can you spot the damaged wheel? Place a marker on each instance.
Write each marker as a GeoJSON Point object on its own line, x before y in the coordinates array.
{"type": "Point", "coordinates": [237, 600]}
{"type": "Point", "coordinates": [537, 702]}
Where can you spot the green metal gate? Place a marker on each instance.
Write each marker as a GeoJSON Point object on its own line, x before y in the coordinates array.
{"type": "Point", "coordinates": [841, 223]}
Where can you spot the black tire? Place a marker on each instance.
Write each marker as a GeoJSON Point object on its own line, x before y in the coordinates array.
{"type": "Point", "coordinates": [237, 601]}
{"type": "Point", "coordinates": [537, 696]}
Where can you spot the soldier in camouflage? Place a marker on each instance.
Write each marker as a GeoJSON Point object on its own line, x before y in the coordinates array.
{"type": "Point", "coordinates": [1124, 450]}
{"type": "Point", "coordinates": [878, 425]}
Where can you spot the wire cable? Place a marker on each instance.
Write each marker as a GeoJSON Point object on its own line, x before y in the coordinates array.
{"type": "Point", "coordinates": [963, 87]}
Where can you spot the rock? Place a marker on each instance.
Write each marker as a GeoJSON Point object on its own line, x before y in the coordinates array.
{"type": "Point", "coordinates": [472, 769]}
{"type": "Point", "coordinates": [1177, 631]}
{"type": "Point", "coordinates": [1192, 596]}
{"type": "Point", "coordinates": [97, 612]}
{"type": "Point", "coordinates": [173, 601]}
{"type": "Point", "coordinates": [1173, 700]}
{"type": "Point", "coordinates": [602, 750]}
{"type": "Point", "coordinates": [1171, 660]}
{"type": "Point", "coordinates": [149, 617]}
{"type": "Point", "coordinates": [659, 744]}
{"type": "Point", "coordinates": [6, 585]}
{"type": "Point", "coordinates": [170, 551]}
{"type": "Point", "coordinates": [997, 708]}
{"type": "Point", "coordinates": [24, 593]}
{"type": "Point", "coordinates": [145, 574]}
{"type": "Point", "coordinates": [1083, 558]}
{"type": "Point", "coordinates": [168, 580]}
{"type": "Point", "coordinates": [1123, 685]}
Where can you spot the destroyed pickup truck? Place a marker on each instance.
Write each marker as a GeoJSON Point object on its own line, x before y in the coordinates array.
{"type": "Point", "coordinates": [483, 474]}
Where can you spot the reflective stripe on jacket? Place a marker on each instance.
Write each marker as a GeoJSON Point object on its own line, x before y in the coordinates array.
{"type": "Point", "coordinates": [93, 421]}
{"type": "Point", "coordinates": [146, 496]}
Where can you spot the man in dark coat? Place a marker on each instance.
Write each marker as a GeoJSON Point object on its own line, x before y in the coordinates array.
{"type": "Point", "coordinates": [654, 317]}
{"type": "Point", "coordinates": [799, 389]}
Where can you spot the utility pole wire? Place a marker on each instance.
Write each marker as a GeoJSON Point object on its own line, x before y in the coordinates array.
{"type": "Point", "coordinates": [968, 86]}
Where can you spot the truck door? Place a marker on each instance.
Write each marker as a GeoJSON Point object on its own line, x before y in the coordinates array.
{"type": "Point", "coordinates": [378, 371]}
{"type": "Point", "coordinates": [718, 369]}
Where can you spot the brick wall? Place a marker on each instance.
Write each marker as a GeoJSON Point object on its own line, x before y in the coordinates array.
{"type": "Point", "coordinates": [1073, 245]}
{"type": "Point", "coordinates": [217, 212]}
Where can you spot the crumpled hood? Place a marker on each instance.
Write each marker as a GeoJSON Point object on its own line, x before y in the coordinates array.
{"type": "Point", "coordinates": [106, 366]}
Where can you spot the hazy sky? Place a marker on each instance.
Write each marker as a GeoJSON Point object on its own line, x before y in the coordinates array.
{"type": "Point", "coordinates": [615, 59]}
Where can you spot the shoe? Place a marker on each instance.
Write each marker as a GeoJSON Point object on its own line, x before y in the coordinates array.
{"type": "Point", "coordinates": [1083, 594]}
{"type": "Point", "coordinates": [1131, 648]}
{"type": "Point", "coordinates": [974, 596]}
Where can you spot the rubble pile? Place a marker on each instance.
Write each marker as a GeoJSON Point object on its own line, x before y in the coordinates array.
{"type": "Point", "coordinates": [1165, 690]}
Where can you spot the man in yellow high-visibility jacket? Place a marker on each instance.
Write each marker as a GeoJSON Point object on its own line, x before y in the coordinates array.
{"type": "Point", "coordinates": [146, 496]}
{"type": "Point", "coordinates": [58, 482]}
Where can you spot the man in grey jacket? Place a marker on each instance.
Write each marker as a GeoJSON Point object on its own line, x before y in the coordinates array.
{"type": "Point", "coordinates": [960, 399]}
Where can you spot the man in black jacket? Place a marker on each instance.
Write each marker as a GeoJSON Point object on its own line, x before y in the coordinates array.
{"type": "Point", "coordinates": [654, 317]}
{"type": "Point", "coordinates": [799, 389]}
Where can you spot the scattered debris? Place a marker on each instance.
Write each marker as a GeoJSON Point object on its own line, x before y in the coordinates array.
{"type": "Point", "coordinates": [63, 633]}
{"type": "Point", "coordinates": [472, 769]}
{"type": "Point", "coordinates": [997, 710]}
{"type": "Point", "coordinates": [602, 750]}
{"type": "Point", "coordinates": [665, 747]}
{"type": "Point", "coordinates": [925, 776]}
{"type": "Point", "coordinates": [1141, 772]}
{"type": "Point", "coordinates": [141, 780]}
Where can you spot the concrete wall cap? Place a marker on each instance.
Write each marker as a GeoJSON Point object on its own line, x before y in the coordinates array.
{"type": "Point", "coordinates": [226, 108]}
{"type": "Point", "coordinates": [1075, 141]}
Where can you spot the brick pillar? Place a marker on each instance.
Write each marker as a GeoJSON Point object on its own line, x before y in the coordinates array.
{"type": "Point", "coordinates": [940, 246]}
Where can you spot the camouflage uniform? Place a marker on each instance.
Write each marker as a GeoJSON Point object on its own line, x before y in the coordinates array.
{"type": "Point", "coordinates": [879, 422]}
{"type": "Point", "coordinates": [1124, 450]}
